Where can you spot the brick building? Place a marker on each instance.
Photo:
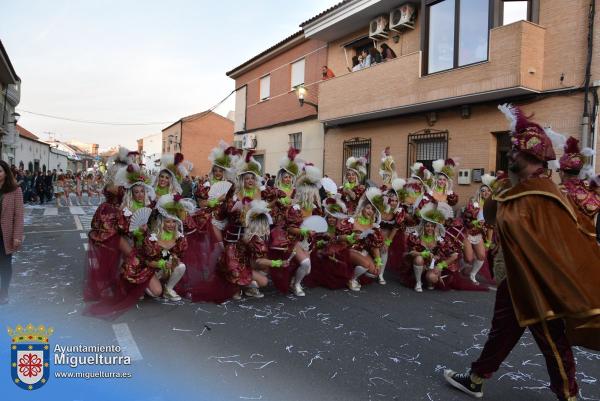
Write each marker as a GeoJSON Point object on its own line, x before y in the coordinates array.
{"type": "Point", "coordinates": [195, 136]}
{"type": "Point", "coordinates": [438, 98]}
{"type": "Point", "coordinates": [268, 115]}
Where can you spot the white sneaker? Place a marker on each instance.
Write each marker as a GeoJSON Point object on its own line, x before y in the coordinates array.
{"type": "Point", "coordinates": [418, 287]}
{"type": "Point", "coordinates": [354, 285]}
{"type": "Point", "coordinates": [382, 280]}
{"type": "Point", "coordinates": [297, 290]}
{"type": "Point", "coordinates": [253, 292]}
{"type": "Point", "coordinates": [473, 279]}
{"type": "Point", "coordinates": [237, 296]}
{"type": "Point", "coordinates": [171, 295]}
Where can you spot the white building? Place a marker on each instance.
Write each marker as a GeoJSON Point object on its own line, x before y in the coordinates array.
{"type": "Point", "coordinates": [10, 96]}
{"type": "Point", "coordinates": [32, 154]}
{"type": "Point", "coordinates": [151, 150]}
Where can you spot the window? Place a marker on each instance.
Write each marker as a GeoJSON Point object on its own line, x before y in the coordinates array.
{"type": "Point", "coordinates": [357, 147]}
{"type": "Point", "coordinates": [503, 147]}
{"type": "Point", "coordinates": [296, 140]}
{"type": "Point", "coordinates": [261, 160]}
{"type": "Point", "coordinates": [265, 87]}
{"type": "Point", "coordinates": [457, 34]}
{"type": "Point", "coordinates": [297, 73]}
{"type": "Point", "coordinates": [515, 10]}
{"type": "Point", "coordinates": [425, 146]}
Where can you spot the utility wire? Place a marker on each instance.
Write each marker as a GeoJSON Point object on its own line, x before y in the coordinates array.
{"type": "Point", "coordinates": [115, 122]}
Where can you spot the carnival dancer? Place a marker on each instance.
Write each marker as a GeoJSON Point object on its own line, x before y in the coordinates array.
{"type": "Point", "coordinates": [59, 190]}
{"type": "Point", "coordinates": [138, 194]}
{"type": "Point", "coordinates": [442, 190]}
{"type": "Point", "coordinates": [292, 241]}
{"type": "Point", "coordinates": [330, 256]}
{"type": "Point", "coordinates": [353, 187]}
{"type": "Point", "coordinates": [364, 236]}
{"type": "Point", "coordinates": [173, 169]}
{"type": "Point", "coordinates": [551, 265]}
{"type": "Point", "coordinates": [223, 159]}
{"type": "Point", "coordinates": [387, 168]}
{"type": "Point", "coordinates": [392, 226]}
{"type": "Point", "coordinates": [245, 262]}
{"type": "Point", "coordinates": [417, 188]}
{"type": "Point", "coordinates": [247, 189]}
{"type": "Point", "coordinates": [280, 195]}
{"type": "Point", "coordinates": [161, 266]}
{"type": "Point", "coordinates": [572, 174]}
{"type": "Point", "coordinates": [107, 239]}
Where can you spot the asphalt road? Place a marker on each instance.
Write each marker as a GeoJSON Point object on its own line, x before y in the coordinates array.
{"type": "Point", "coordinates": [384, 343]}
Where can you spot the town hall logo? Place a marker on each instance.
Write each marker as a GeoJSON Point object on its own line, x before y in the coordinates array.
{"type": "Point", "coordinates": [30, 355]}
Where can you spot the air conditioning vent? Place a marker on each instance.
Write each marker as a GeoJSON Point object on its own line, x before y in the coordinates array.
{"type": "Point", "coordinates": [378, 27]}
{"type": "Point", "coordinates": [403, 17]}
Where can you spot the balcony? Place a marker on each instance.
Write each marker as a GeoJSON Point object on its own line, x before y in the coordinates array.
{"type": "Point", "coordinates": [514, 67]}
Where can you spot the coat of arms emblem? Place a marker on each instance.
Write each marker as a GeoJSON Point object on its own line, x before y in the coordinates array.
{"type": "Point", "coordinates": [30, 355]}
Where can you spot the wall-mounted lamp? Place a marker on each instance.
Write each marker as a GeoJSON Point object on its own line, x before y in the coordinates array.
{"type": "Point", "coordinates": [431, 118]}
{"type": "Point", "coordinates": [465, 111]}
{"type": "Point", "coordinates": [301, 92]}
{"type": "Point", "coordinates": [15, 117]}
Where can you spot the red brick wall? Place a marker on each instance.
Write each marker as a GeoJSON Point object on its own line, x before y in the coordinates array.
{"type": "Point", "coordinates": [200, 135]}
{"type": "Point", "coordinates": [283, 104]}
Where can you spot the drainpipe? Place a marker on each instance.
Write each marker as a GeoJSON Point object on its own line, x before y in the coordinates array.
{"type": "Point", "coordinates": [585, 120]}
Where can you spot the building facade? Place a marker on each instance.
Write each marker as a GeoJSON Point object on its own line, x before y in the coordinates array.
{"type": "Point", "coordinates": [33, 155]}
{"type": "Point", "coordinates": [10, 96]}
{"type": "Point", "coordinates": [150, 148]}
{"type": "Point", "coordinates": [195, 136]}
{"type": "Point", "coordinates": [268, 115]}
{"type": "Point", "coordinates": [438, 97]}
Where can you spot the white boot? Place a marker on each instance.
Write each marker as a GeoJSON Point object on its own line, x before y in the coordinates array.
{"type": "Point", "coordinates": [384, 258]}
{"type": "Point", "coordinates": [252, 290]}
{"type": "Point", "coordinates": [302, 271]}
{"type": "Point", "coordinates": [176, 275]}
{"type": "Point", "coordinates": [477, 264]}
{"type": "Point", "coordinates": [353, 284]}
{"type": "Point", "coordinates": [418, 270]}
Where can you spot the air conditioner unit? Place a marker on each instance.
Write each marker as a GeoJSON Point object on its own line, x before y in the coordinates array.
{"type": "Point", "coordinates": [378, 27]}
{"type": "Point", "coordinates": [464, 176]}
{"type": "Point", "coordinates": [403, 17]}
{"type": "Point", "coordinates": [249, 141]}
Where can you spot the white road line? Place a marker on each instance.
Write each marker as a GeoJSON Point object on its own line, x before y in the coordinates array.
{"type": "Point", "coordinates": [85, 246]}
{"type": "Point", "coordinates": [51, 211]}
{"type": "Point", "coordinates": [76, 210]}
{"type": "Point", "coordinates": [78, 223]}
{"type": "Point", "coordinates": [126, 341]}
{"type": "Point", "coordinates": [82, 235]}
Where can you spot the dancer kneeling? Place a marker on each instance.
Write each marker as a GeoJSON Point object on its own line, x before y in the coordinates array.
{"type": "Point", "coordinates": [245, 262]}
{"type": "Point", "coordinates": [426, 247]}
{"type": "Point", "coordinates": [364, 236]}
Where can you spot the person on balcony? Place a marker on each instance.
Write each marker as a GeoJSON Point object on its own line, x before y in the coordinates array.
{"type": "Point", "coordinates": [387, 53]}
{"type": "Point", "coordinates": [327, 73]}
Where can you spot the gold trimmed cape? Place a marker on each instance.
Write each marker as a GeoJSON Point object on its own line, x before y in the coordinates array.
{"type": "Point", "coordinates": [552, 263]}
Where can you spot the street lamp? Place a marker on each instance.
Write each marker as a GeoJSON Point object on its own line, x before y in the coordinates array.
{"type": "Point", "coordinates": [301, 92]}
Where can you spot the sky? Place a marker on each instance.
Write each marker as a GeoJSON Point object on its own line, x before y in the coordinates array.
{"type": "Point", "coordinates": [135, 61]}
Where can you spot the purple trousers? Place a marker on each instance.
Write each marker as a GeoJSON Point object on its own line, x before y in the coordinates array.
{"type": "Point", "coordinates": [550, 337]}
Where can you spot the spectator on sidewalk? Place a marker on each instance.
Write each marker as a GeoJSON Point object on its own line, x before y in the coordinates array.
{"type": "Point", "coordinates": [11, 226]}
{"type": "Point", "coordinates": [49, 184]}
{"type": "Point", "coordinates": [186, 187]}
{"type": "Point", "coordinates": [40, 187]}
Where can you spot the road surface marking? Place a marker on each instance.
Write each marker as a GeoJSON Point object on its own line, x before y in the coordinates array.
{"type": "Point", "coordinates": [51, 231]}
{"type": "Point", "coordinates": [126, 341]}
{"type": "Point", "coordinates": [51, 211]}
{"type": "Point", "coordinates": [78, 223]}
{"type": "Point", "coordinates": [76, 210]}
{"type": "Point", "coordinates": [85, 246]}
{"type": "Point", "coordinates": [82, 235]}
